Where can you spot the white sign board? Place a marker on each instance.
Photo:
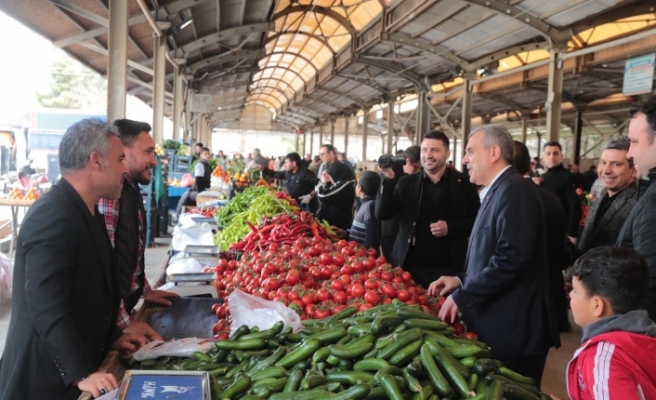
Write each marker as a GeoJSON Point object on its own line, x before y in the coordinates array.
{"type": "Point", "coordinates": [638, 75]}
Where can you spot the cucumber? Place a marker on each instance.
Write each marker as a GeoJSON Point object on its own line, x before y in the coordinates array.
{"type": "Point", "coordinates": [473, 381]}
{"type": "Point", "coordinates": [302, 395]}
{"type": "Point", "coordinates": [452, 368]}
{"type": "Point", "coordinates": [345, 313]}
{"type": "Point", "coordinates": [358, 391]}
{"type": "Point", "coordinates": [391, 387]}
{"type": "Point", "coordinates": [241, 331]}
{"type": "Point", "coordinates": [405, 354]}
{"type": "Point", "coordinates": [359, 330]}
{"type": "Point", "coordinates": [200, 356]}
{"type": "Point", "coordinates": [333, 335]}
{"type": "Point", "coordinates": [238, 387]}
{"type": "Point", "coordinates": [303, 352]}
{"type": "Point", "coordinates": [506, 381]}
{"type": "Point", "coordinates": [312, 381]}
{"type": "Point", "coordinates": [426, 324]}
{"type": "Point", "coordinates": [271, 372]}
{"type": "Point", "coordinates": [269, 361]}
{"type": "Point", "coordinates": [484, 366]}
{"type": "Point", "coordinates": [350, 353]}
{"type": "Point", "coordinates": [468, 361]}
{"type": "Point", "coordinates": [385, 323]}
{"type": "Point", "coordinates": [294, 381]}
{"type": "Point", "coordinates": [366, 338]}
{"type": "Point", "coordinates": [441, 353]}
{"type": "Point", "coordinates": [441, 339]}
{"type": "Point", "coordinates": [401, 342]}
{"type": "Point", "coordinates": [265, 334]}
{"type": "Point", "coordinates": [370, 364]}
{"type": "Point", "coordinates": [349, 377]}
{"type": "Point", "coordinates": [409, 312]}
{"type": "Point", "coordinates": [416, 369]}
{"type": "Point", "coordinates": [413, 382]}
{"type": "Point", "coordinates": [376, 394]}
{"type": "Point", "coordinates": [391, 370]}
{"type": "Point", "coordinates": [468, 351]}
{"type": "Point", "coordinates": [495, 391]}
{"type": "Point", "coordinates": [514, 376]}
{"type": "Point", "coordinates": [437, 378]}
{"type": "Point", "coordinates": [320, 355]}
{"type": "Point", "coordinates": [249, 344]}
{"type": "Point", "coordinates": [275, 385]}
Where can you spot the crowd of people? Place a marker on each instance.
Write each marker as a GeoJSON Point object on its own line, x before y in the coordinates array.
{"type": "Point", "coordinates": [494, 240]}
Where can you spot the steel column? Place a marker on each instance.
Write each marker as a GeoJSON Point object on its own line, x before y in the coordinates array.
{"type": "Point", "coordinates": [177, 102]}
{"type": "Point", "coordinates": [390, 126]}
{"type": "Point", "coordinates": [159, 80]}
{"type": "Point", "coordinates": [117, 70]}
{"type": "Point", "coordinates": [423, 117]}
{"type": "Point", "coordinates": [578, 129]}
{"type": "Point", "coordinates": [346, 133]}
{"type": "Point", "coordinates": [468, 85]}
{"type": "Point", "coordinates": [554, 94]}
{"type": "Point", "coordinates": [365, 125]}
{"type": "Point", "coordinates": [332, 132]}
{"type": "Point", "coordinates": [524, 129]}
{"type": "Point", "coordinates": [297, 140]}
{"type": "Point", "coordinates": [311, 143]}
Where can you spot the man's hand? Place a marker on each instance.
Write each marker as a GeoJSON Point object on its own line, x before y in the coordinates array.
{"type": "Point", "coordinates": [341, 233]}
{"type": "Point", "coordinates": [129, 342]}
{"type": "Point", "coordinates": [142, 328]}
{"type": "Point", "coordinates": [443, 286]}
{"type": "Point", "coordinates": [159, 296]}
{"type": "Point", "coordinates": [387, 172]}
{"type": "Point", "coordinates": [96, 382]}
{"type": "Point", "coordinates": [449, 310]}
{"type": "Point", "coordinates": [573, 240]}
{"type": "Point", "coordinates": [305, 199]}
{"type": "Point", "coordinates": [439, 228]}
{"type": "Point", "coordinates": [325, 178]}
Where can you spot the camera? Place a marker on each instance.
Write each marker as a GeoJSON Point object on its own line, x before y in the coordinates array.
{"type": "Point", "coordinates": [386, 161]}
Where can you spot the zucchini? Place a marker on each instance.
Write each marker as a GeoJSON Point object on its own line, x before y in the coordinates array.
{"type": "Point", "coordinates": [312, 381]}
{"type": "Point", "coordinates": [345, 313]}
{"type": "Point", "coordinates": [452, 369]}
{"type": "Point", "coordinates": [350, 353]}
{"type": "Point", "coordinates": [404, 355]}
{"type": "Point", "coordinates": [269, 361]}
{"type": "Point", "coordinates": [413, 382]}
{"type": "Point", "coordinates": [514, 376]}
{"type": "Point", "coordinates": [303, 352]}
{"type": "Point", "coordinates": [415, 313]}
{"type": "Point", "coordinates": [320, 355]}
{"type": "Point", "coordinates": [370, 364]}
{"type": "Point", "coordinates": [484, 366]}
{"type": "Point", "coordinates": [391, 387]}
{"type": "Point", "coordinates": [468, 351]}
{"type": "Point", "coordinates": [385, 323]}
{"type": "Point", "coordinates": [294, 381]}
{"type": "Point", "coordinates": [349, 377]}
{"type": "Point", "coordinates": [249, 344]}
{"type": "Point", "coordinates": [495, 391]}
{"type": "Point", "coordinates": [437, 378]}
{"type": "Point", "coordinates": [265, 334]}
{"type": "Point", "coordinates": [271, 372]}
{"type": "Point", "coordinates": [333, 335]}
{"type": "Point", "coordinates": [426, 324]}
{"type": "Point", "coordinates": [238, 387]}
{"type": "Point", "coordinates": [358, 391]}
{"type": "Point", "coordinates": [402, 341]}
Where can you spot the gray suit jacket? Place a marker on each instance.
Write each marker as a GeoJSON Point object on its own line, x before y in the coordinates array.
{"type": "Point", "coordinates": [605, 231]}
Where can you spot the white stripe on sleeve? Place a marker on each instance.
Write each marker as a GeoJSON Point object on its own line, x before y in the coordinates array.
{"type": "Point", "coordinates": [601, 371]}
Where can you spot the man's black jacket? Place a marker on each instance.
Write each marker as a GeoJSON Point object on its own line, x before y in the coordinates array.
{"type": "Point", "coordinates": [403, 198]}
{"type": "Point", "coordinates": [563, 184]}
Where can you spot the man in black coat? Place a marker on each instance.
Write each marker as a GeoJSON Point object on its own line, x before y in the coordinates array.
{"type": "Point", "coordinates": [437, 209]}
{"type": "Point", "coordinates": [505, 294]}
{"type": "Point", "coordinates": [559, 248]}
{"type": "Point", "coordinates": [563, 184]}
{"type": "Point", "coordinates": [63, 319]}
{"type": "Point", "coordinates": [639, 230]}
{"type": "Point", "coordinates": [299, 181]}
{"type": "Point", "coordinates": [608, 213]}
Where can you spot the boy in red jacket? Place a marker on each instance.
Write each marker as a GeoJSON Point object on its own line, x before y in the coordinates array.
{"type": "Point", "coordinates": [617, 358]}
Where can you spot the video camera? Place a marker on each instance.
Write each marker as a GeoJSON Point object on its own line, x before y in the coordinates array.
{"type": "Point", "coordinates": [386, 161]}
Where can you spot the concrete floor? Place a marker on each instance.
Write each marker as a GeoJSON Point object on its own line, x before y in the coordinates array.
{"type": "Point", "coordinates": [554, 375]}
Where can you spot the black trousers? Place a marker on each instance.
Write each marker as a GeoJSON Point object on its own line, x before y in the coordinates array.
{"type": "Point", "coordinates": [532, 366]}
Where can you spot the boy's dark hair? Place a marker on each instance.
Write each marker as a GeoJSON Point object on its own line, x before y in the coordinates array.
{"type": "Point", "coordinates": [521, 158]}
{"type": "Point", "coordinates": [412, 153]}
{"type": "Point", "coordinates": [205, 149]}
{"type": "Point", "coordinates": [128, 130]}
{"type": "Point", "coordinates": [618, 274]}
{"type": "Point", "coordinates": [553, 143]}
{"type": "Point", "coordinates": [438, 135]}
{"type": "Point", "coordinates": [647, 107]}
{"type": "Point", "coordinates": [199, 144]}
{"type": "Point", "coordinates": [294, 157]}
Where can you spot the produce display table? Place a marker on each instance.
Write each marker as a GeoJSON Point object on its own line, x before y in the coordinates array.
{"type": "Point", "coordinates": [14, 204]}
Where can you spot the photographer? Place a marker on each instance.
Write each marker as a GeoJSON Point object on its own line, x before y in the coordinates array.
{"type": "Point", "coordinates": [437, 209]}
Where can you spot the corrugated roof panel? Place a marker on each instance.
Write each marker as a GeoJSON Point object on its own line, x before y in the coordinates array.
{"type": "Point", "coordinates": [362, 13]}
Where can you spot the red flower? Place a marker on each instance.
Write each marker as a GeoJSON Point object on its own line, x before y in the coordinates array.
{"type": "Point", "coordinates": [579, 191]}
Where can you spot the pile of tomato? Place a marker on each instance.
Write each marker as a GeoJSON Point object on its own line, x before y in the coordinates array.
{"type": "Point", "coordinates": [318, 278]}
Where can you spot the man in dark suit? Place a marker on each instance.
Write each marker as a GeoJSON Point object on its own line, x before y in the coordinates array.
{"type": "Point", "coordinates": [608, 213]}
{"type": "Point", "coordinates": [505, 294]}
{"type": "Point", "coordinates": [437, 209]}
{"type": "Point", "coordinates": [65, 299]}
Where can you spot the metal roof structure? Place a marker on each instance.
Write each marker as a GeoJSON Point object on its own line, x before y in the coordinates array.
{"type": "Point", "coordinates": [309, 61]}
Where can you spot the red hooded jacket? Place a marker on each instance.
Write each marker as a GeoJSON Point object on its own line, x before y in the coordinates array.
{"type": "Point", "coordinates": [617, 360]}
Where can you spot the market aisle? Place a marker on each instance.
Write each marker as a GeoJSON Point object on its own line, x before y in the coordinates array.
{"type": "Point", "coordinates": [554, 374]}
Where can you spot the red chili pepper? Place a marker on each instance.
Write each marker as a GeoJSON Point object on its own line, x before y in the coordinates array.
{"type": "Point", "coordinates": [315, 230]}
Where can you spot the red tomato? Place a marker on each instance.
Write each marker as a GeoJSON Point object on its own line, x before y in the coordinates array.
{"type": "Point", "coordinates": [215, 306]}
{"type": "Point", "coordinates": [308, 299]}
{"type": "Point", "coordinates": [338, 260]}
{"type": "Point", "coordinates": [389, 291]}
{"type": "Point", "coordinates": [293, 295]}
{"type": "Point", "coordinates": [310, 310]}
{"type": "Point", "coordinates": [459, 328]}
{"type": "Point", "coordinates": [337, 284]}
{"type": "Point", "coordinates": [471, 335]}
{"type": "Point", "coordinates": [339, 297]}
{"type": "Point", "coordinates": [369, 263]}
{"type": "Point", "coordinates": [373, 274]}
{"type": "Point", "coordinates": [406, 276]}
{"type": "Point", "coordinates": [371, 284]}
{"type": "Point", "coordinates": [345, 278]}
{"type": "Point", "coordinates": [232, 265]}
{"type": "Point", "coordinates": [346, 269]}
{"type": "Point", "coordinates": [357, 290]}
{"type": "Point", "coordinates": [347, 251]}
{"type": "Point", "coordinates": [386, 276]}
{"type": "Point", "coordinates": [323, 295]}
{"type": "Point", "coordinates": [326, 272]}
{"type": "Point", "coordinates": [403, 295]}
{"type": "Point", "coordinates": [325, 259]}
{"type": "Point", "coordinates": [322, 313]}
{"type": "Point", "coordinates": [372, 252]}
{"type": "Point", "coordinates": [365, 306]}
{"type": "Point", "coordinates": [222, 336]}
{"type": "Point", "coordinates": [217, 327]}
{"type": "Point", "coordinates": [293, 277]}
{"type": "Point", "coordinates": [372, 297]}
{"type": "Point", "coordinates": [357, 266]}
{"type": "Point", "coordinates": [271, 283]}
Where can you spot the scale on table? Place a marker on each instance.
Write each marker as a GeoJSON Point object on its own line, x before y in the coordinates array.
{"type": "Point", "coordinates": [179, 385]}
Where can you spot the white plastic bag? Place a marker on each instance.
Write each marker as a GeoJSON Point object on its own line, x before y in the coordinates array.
{"type": "Point", "coordinates": [6, 278]}
{"type": "Point", "coordinates": [173, 348]}
{"type": "Point", "coordinates": [185, 266]}
{"type": "Point", "coordinates": [196, 235]}
{"type": "Point", "coordinates": [249, 310]}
